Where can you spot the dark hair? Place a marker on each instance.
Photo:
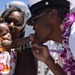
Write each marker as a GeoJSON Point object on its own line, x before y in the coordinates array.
{"type": "Point", "coordinates": [7, 12]}
{"type": "Point", "coordinates": [61, 12]}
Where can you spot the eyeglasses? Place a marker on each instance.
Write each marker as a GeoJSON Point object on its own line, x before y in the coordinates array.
{"type": "Point", "coordinates": [34, 18]}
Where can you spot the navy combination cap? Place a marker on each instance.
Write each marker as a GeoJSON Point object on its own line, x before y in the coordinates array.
{"type": "Point", "coordinates": [36, 6]}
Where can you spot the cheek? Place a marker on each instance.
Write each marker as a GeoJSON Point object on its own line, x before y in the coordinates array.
{"type": "Point", "coordinates": [17, 29]}
{"type": "Point", "coordinates": [16, 32]}
{"type": "Point", "coordinates": [42, 33]}
{"type": "Point", "coordinates": [62, 27]}
{"type": "Point", "coordinates": [6, 37]}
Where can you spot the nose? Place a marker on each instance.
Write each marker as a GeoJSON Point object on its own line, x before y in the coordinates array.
{"type": "Point", "coordinates": [34, 27]}
{"type": "Point", "coordinates": [11, 25]}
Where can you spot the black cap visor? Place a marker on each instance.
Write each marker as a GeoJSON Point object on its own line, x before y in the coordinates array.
{"type": "Point", "coordinates": [36, 8]}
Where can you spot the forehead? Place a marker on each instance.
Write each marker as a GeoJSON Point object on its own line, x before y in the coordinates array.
{"type": "Point", "coordinates": [3, 26]}
{"type": "Point", "coordinates": [16, 15]}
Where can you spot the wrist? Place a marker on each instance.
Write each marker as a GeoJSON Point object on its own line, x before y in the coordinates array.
{"type": "Point", "coordinates": [49, 60]}
{"type": "Point", "coordinates": [28, 38]}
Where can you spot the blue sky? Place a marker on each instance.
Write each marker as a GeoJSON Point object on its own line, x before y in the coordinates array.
{"type": "Point", "coordinates": [3, 3]}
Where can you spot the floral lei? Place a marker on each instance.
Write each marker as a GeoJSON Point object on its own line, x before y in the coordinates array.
{"type": "Point", "coordinates": [69, 66]}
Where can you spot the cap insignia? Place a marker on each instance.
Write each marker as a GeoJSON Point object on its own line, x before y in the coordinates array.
{"type": "Point", "coordinates": [47, 3]}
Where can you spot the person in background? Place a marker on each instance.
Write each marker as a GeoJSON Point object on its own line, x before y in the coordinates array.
{"type": "Point", "coordinates": [50, 19]}
{"type": "Point", "coordinates": [26, 62]}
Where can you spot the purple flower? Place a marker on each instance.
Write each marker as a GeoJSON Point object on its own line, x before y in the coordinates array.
{"type": "Point", "coordinates": [66, 54]}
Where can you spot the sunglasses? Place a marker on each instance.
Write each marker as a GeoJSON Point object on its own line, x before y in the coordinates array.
{"type": "Point", "coordinates": [33, 20]}
{"type": "Point", "coordinates": [15, 23]}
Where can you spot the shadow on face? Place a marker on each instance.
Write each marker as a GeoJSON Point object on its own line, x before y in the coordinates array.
{"type": "Point", "coordinates": [15, 24]}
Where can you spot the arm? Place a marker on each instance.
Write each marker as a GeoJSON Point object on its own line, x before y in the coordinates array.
{"type": "Point", "coordinates": [56, 69]}
{"type": "Point", "coordinates": [42, 53]}
{"type": "Point", "coordinates": [15, 43]}
{"type": "Point", "coordinates": [20, 41]}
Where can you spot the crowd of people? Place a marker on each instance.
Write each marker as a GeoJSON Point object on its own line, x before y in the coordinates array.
{"type": "Point", "coordinates": [51, 20]}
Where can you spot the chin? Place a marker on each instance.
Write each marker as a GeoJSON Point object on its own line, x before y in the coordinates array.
{"type": "Point", "coordinates": [42, 41]}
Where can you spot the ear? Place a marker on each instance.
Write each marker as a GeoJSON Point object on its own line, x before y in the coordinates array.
{"type": "Point", "coordinates": [52, 14]}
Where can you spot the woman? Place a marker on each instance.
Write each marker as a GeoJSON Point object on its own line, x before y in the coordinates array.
{"type": "Point", "coordinates": [47, 19]}
{"type": "Point", "coordinates": [26, 63]}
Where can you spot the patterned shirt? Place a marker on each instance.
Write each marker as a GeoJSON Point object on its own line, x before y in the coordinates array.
{"type": "Point", "coordinates": [7, 61]}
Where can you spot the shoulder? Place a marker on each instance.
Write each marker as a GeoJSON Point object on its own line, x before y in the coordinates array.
{"type": "Point", "coordinates": [72, 39]}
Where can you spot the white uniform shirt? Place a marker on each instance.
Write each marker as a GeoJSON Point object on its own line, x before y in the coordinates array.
{"type": "Point", "coordinates": [72, 39]}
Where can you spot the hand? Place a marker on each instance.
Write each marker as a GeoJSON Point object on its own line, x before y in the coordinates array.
{"type": "Point", "coordinates": [33, 39]}
{"type": "Point", "coordinates": [40, 52]}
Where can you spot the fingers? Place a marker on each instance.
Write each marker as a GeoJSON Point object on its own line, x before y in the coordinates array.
{"type": "Point", "coordinates": [37, 49]}
{"type": "Point", "coordinates": [37, 46]}
{"type": "Point", "coordinates": [32, 37]}
{"type": "Point", "coordinates": [35, 52]}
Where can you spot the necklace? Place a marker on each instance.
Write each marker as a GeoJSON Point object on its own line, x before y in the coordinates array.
{"type": "Point", "coordinates": [69, 65]}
